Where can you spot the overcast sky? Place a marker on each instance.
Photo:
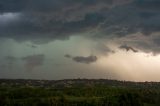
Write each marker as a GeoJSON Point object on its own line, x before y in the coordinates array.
{"type": "Point", "coordinates": [61, 39]}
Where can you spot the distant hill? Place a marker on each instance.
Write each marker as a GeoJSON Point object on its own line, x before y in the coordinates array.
{"type": "Point", "coordinates": [78, 82]}
{"type": "Point", "coordinates": [78, 92]}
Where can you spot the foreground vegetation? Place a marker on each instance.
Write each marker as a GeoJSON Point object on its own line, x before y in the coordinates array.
{"type": "Point", "coordinates": [77, 94]}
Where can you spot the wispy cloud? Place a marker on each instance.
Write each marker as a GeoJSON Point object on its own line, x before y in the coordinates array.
{"type": "Point", "coordinates": [33, 61]}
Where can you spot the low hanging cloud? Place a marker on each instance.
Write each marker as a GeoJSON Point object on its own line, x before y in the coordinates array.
{"type": "Point", "coordinates": [67, 56]}
{"type": "Point", "coordinates": [82, 59]}
{"type": "Point", "coordinates": [127, 48]}
{"type": "Point", "coordinates": [33, 61]}
{"type": "Point", "coordinates": [87, 60]}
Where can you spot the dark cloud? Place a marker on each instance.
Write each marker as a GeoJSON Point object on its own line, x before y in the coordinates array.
{"type": "Point", "coordinates": [33, 61]}
{"type": "Point", "coordinates": [156, 41]}
{"type": "Point", "coordinates": [54, 5]}
{"type": "Point", "coordinates": [67, 56]}
{"type": "Point", "coordinates": [53, 19]}
{"type": "Point", "coordinates": [127, 48]}
{"type": "Point", "coordinates": [147, 5]}
{"type": "Point", "coordinates": [42, 21]}
{"type": "Point", "coordinates": [87, 60]}
{"type": "Point", "coordinates": [82, 59]}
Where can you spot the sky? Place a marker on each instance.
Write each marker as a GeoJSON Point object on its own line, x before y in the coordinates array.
{"type": "Point", "coordinates": [70, 39]}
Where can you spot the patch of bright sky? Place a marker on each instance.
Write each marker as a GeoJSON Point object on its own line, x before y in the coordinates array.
{"type": "Point", "coordinates": [132, 66]}
{"type": "Point", "coordinates": [6, 18]}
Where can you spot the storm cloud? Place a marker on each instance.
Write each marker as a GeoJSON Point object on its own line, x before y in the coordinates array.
{"type": "Point", "coordinates": [42, 21]}
{"type": "Point", "coordinates": [51, 19]}
{"type": "Point", "coordinates": [82, 59]}
{"type": "Point", "coordinates": [35, 34]}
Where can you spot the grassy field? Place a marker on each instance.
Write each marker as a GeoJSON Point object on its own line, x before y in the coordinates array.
{"type": "Point", "coordinates": [79, 95]}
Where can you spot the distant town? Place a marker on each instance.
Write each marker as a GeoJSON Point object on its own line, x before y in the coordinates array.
{"type": "Point", "coordinates": [76, 82]}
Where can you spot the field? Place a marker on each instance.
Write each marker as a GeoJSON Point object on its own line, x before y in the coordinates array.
{"type": "Point", "coordinates": [78, 92]}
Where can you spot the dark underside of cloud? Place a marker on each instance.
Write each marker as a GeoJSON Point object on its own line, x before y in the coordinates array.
{"type": "Point", "coordinates": [82, 59]}
{"type": "Point", "coordinates": [45, 20]}
{"type": "Point", "coordinates": [67, 56]}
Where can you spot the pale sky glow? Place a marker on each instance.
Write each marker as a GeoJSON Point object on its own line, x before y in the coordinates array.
{"type": "Point", "coordinates": [131, 66]}
{"type": "Point", "coordinates": [6, 18]}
